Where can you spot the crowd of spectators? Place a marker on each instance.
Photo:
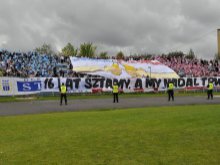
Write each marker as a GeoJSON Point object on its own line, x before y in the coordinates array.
{"type": "Point", "coordinates": [182, 65]}
{"type": "Point", "coordinates": [185, 67]}
{"type": "Point", "coordinates": [32, 64]}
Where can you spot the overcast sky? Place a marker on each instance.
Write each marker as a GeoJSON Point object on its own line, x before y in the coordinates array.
{"type": "Point", "coordinates": [131, 26]}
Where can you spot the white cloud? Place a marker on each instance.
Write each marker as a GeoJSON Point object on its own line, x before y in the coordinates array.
{"type": "Point", "coordinates": [132, 26]}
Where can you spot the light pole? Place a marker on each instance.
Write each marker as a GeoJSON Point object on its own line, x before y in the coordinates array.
{"type": "Point", "coordinates": [149, 67]}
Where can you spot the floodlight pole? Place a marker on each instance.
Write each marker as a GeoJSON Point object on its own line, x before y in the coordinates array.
{"type": "Point", "coordinates": [150, 70]}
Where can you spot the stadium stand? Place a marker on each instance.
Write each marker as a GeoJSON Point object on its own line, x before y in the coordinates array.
{"type": "Point", "coordinates": [185, 67]}
{"type": "Point", "coordinates": [191, 67]}
{"type": "Point", "coordinates": [32, 64]}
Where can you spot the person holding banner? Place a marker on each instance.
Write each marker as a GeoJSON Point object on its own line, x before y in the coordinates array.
{"type": "Point", "coordinates": [170, 91]}
{"type": "Point", "coordinates": [63, 91]}
{"type": "Point", "coordinates": [210, 87]}
{"type": "Point", "coordinates": [115, 92]}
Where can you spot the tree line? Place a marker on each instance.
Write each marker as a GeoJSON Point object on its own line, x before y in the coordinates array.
{"type": "Point", "coordinates": [85, 50]}
{"type": "Point", "coordinates": [89, 50]}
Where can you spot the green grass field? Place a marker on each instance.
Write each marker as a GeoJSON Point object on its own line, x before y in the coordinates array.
{"type": "Point", "coordinates": [157, 135]}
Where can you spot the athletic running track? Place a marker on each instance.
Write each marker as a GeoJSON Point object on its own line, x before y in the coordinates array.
{"type": "Point", "coordinates": [39, 107]}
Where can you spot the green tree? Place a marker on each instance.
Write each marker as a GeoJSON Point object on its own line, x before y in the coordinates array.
{"type": "Point", "coordinates": [69, 50]}
{"type": "Point", "coordinates": [120, 55]}
{"type": "Point", "coordinates": [45, 49]}
{"type": "Point", "coordinates": [87, 50]}
{"type": "Point", "coordinates": [103, 55]}
{"type": "Point", "coordinates": [1, 73]}
{"type": "Point", "coordinates": [190, 55]}
{"type": "Point", "coordinates": [176, 54]}
{"type": "Point", "coordinates": [217, 56]}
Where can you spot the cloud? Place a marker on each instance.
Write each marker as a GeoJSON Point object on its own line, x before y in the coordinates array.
{"type": "Point", "coordinates": [141, 26]}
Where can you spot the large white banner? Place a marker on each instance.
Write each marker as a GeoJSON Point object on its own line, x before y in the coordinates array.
{"type": "Point", "coordinates": [122, 69]}
{"type": "Point", "coordinates": [19, 86]}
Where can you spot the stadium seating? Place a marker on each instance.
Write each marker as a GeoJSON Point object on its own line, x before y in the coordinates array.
{"type": "Point", "coordinates": [29, 64]}
{"type": "Point", "coordinates": [32, 64]}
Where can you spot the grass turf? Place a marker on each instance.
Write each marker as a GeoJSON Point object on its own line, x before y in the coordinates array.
{"type": "Point", "coordinates": [157, 135]}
